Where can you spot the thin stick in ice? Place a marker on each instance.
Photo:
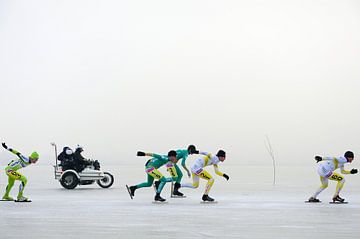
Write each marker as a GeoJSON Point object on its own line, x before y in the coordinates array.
{"type": "Point", "coordinates": [271, 153]}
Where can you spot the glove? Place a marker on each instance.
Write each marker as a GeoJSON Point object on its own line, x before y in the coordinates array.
{"type": "Point", "coordinates": [139, 153]}
{"type": "Point", "coordinates": [318, 158]}
{"type": "Point", "coordinates": [353, 171]}
{"type": "Point", "coordinates": [226, 177]}
{"type": "Point", "coordinates": [4, 145]}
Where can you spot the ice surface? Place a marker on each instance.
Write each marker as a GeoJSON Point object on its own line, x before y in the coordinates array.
{"type": "Point", "coordinates": [248, 207]}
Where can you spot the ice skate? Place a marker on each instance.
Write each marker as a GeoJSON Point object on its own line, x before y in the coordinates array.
{"type": "Point", "coordinates": [176, 193]}
{"type": "Point", "coordinates": [22, 199]}
{"type": "Point", "coordinates": [158, 198]}
{"type": "Point", "coordinates": [313, 200]}
{"type": "Point", "coordinates": [206, 198]}
{"type": "Point", "coordinates": [7, 198]}
{"type": "Point", "coordinates": [338, 200]}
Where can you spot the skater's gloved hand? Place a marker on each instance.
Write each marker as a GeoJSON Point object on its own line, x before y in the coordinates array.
{"type": "Point", "coordinates": [318, 158]}
{"type": "Point", "coordinates": [353, 171]}
{"type": "Point", "coordinates": [4, 145]}
{"type": "Point", "coordinates": [139, 153]}
{"type": "Point", "coordinates": [226, 176]}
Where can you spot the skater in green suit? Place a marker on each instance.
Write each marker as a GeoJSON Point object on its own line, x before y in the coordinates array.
{"type": "Point", "coordinates": [13, 174]}
{"type": "Point", "coordinates": [151, 168]}
{"type": "Point", "coordinates": [182, 154]}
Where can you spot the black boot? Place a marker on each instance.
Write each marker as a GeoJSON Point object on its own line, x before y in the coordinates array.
{"type": "Point", "coordinates": [176, 190]}
{"type": "Point", "coordinates": [158, 198]}
{"type": "Point", "coordinates": [132, 190]}
{"type": "Point", "coordinates": [312, 199]}
{"type": "Point", "coordinates": [156, 185]}
{"type": "Point", "coordinates": [338, 199]}
{"type": "Point", "coordinates": [206, 198]}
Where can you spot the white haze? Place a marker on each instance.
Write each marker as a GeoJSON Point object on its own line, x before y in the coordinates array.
{"type": "Point", "coordinates": [122, 76]}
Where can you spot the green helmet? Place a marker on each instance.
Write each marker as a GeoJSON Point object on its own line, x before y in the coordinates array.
{"type": "Point", "coordinates": [34, 155]}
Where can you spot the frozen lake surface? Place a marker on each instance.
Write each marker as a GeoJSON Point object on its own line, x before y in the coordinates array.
{"type": "Point", "coordinates": [248, 207]}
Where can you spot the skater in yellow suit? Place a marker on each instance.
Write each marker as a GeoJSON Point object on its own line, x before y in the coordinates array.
{"type": "Point", "coordinates": [326, 168]}
{"type": "Point", "coordinates": [198, 172]}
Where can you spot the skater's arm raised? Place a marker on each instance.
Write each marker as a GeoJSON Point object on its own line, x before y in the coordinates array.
{"type": "Point", "coordinates": [11, 150]}
{"type": "Point", "coordinates": [140, 153]}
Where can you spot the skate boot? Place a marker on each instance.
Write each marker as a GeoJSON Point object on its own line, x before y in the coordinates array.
{"type": "Point", "coordinates": [7, 198]}
{"type": "Point", "coordinates": [132, 190]}
{"type": "Point", "coordinates": [23, 199]}
{"type": "Point", "coordinates": [176, 190]}
{"type": "Point", "coordinates": [338, 199]}
{"type": "Point", "coordinates": [312, 199]}
{"type": "Point", "coordinates": [156, 185]}
{"type": "Point", "coordinates": [158, 198]}
{"type": "Point", "coordinates": [206, 198]}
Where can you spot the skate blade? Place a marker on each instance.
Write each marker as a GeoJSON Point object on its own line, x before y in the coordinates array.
{"type": "Point", "coordinates": [338, 202]}
{"type": "Point", "coordinates": [312, 202]}
{"type": "Point", "coordinates": [158, 202]}
{"type": "Point", "coordinates": [208, 202]}
{"type": "Point", "coordinates": [6, 200]}
{"type": "Point", "coordinates": [128, 189]}
{"type": "Point", "coordinates": [22, 201]}
{"type": "Point", "coordinates": [175, 196]}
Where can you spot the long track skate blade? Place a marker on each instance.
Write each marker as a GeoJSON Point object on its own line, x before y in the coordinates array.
{"type": "Point", "coordinates": [208, 202]}
{"type": "Point", "coordinates": [312, 202]}
{"type": "Point", "coordinates": [175, 196]}
{"type": "Point", "coordinates": [158, 202]}
{"type": "Point", "coordinates": [338, 202]}
{"type": "Point", "coordinates": [128, 189]}
{"type": "Point", "coordinates": [22, 201]}
{"type": "Point", "coordinates": [6, 200]}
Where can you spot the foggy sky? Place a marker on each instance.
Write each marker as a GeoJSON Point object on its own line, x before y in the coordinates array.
{"type": "Point", "coordinates": [122, 76]}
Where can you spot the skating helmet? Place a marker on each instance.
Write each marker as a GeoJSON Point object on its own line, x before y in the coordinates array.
{"type": "Point", "coordinates": [34, 155]}
{"type": "Point", "coordinates": [172, 153]}
{"type": "Point", "coordinates": [221, 153]}
{"type": "Point", "coordinates": [349, 154]}
{"type": "Point", "coordinates": [191, 149]}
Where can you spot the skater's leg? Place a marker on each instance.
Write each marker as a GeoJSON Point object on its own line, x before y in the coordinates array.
{"type": "Point", "coordinates": [341, 181]}
{"type": "Point", "coordinates": [195, 183]}
{"type": "Point", "coordinates": [171, 168]}
{"type": "Point", "coordinates": [324, 185]}
{"type": "Point", "coordinates": [148, 183]}
{"type": "Point", "coordinates": [163, 181]}
{"type": "Point", "coordinates": [22, 186]}
{"type": "Point", "coordinates": [207, 176]}
{"type": "Point", "coordinates": [179, 174]}
{"type": "Point", "coordinates": [11, 181]}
